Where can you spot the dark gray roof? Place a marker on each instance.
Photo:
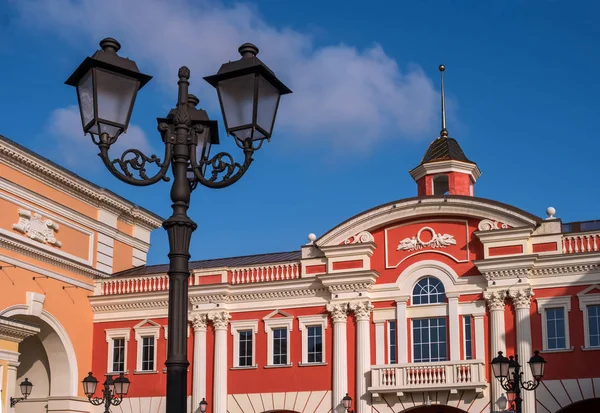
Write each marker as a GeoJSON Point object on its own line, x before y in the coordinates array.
{"type": "Point", "coordinates": [271, 258]}
{"type": "Point", "coordinates": [74, 175]}
{"type": "Point", "coordinates": [443, 149]}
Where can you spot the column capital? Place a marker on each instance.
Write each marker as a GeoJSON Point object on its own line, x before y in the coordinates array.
{"type": "Point", "coordinates": [495, 299]}
{"type": "Point", "coordinates": [200, 322]}
{"type": "Point", "coordinates": [220, 319]}
{"type": "Point", "coordinates": [339, 312]}
{"type": "Point", "coordinates": [362, 310]}
{"type": "Point", "coordinates": [521, 298]}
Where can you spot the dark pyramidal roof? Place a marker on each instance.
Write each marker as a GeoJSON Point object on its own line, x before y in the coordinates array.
{"type": "Point", "coordinates": [444, 149]}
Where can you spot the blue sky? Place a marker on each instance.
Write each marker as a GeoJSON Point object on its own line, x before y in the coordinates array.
{"type": "Point", "coordinates": [521, 81]}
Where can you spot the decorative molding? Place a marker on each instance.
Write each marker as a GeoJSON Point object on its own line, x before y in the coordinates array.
{"type": "Point", "coordinates": [257, 296]}
{"type": "Point", "coordinates": [336, 288]}
{"type": "Point", "coordinates": [36, 228]}
{"type": "Point", "coordinates": [361, 237]}
{"type": "Point", "coordinates": [16, 331]}
{"type": "Point", "coordinates": [338, 311]}
{"type": "Point", "coordinates": [521, 298]}
{"type": "Point", "coordinates": [416, 243]}
{"type": "Point", "coordinates": [567, 269]}
{"type": "Point", "coordinates": [489, 224]}
{"type": "Point", "coordinates": [200, 322]}
{"type": "Point", "coordinates": [362, 310]}
{"type": "Point", "coordinates": [220, 319]}
{"type": "Point", "coordinates": [44, 172]}
{"type": "Point", "coordinates": [495, 299]}
{"type": "Point", "coordinates": [122, 306]}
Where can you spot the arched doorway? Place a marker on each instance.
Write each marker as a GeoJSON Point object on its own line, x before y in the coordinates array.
{"type": "Point", "coordinates": [582, 406]}
{"type": "Point", "coordinates": [438, 408]}
{"type": "Point", "coordinates": [47, 359]}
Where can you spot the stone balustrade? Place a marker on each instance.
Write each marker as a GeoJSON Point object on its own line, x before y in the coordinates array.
{"type": "Point", "coordinates": [574, 243]}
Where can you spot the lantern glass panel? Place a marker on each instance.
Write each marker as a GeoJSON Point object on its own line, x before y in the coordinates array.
{"type": "Point", "coordinates": [537, 369]}
{"type": "Point", "coordinates": [116, 96]}
{"type": "Point", "coordinates": [237, 104]}
{"type": "Point", "coordinates": [26, 388]}
{"type": "Point", "coordinates": [89, 387]}
{"type": "Point", "coordinates": [347, 401]}
{"type": "Point", "coordinates": [268, 100]}
{"type": "Point", "coordinates": [85, 91]}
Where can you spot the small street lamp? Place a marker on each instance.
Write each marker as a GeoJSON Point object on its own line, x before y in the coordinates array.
{"type": "Point", "coordinates": [347, 403]}
{"type": "Point", "coordinates": [26, 387]}
{"type": "Point", "coordinates": [112, 393]}
{"type": "Point", "coordinates": [202, 407]}
{"type": "Point", "coordinates": [508, 372]}
{"type": "Point", "coordinates": [249, 92]}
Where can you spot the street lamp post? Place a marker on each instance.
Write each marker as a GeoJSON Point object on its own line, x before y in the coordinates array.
{"type": "Point", "coordinates": [249, 94]}
{"type": "Point", "coordinates": [26, 387]}
{"type": "Point", "coordinates": [112, 392]}
{"type": "Point", "coordinates": [347, 403]}
{"type": "Point", "coordinates": [508, 372]}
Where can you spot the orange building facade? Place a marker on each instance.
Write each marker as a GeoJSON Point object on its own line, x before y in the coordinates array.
{"type": "Point", "coordinates": [59, 235]}
{"type": "Point", "coordinates": [402, 307]}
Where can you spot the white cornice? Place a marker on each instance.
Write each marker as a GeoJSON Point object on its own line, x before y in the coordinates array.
{"type": "Point", "coordinates": [349, 281]}
{"type": "Point", "coordinates": [13, 330]}
{"type": "Point", "coordinates": [58, 179]}
{"type": "Point", "coordinates": [506, 234]}
{"type": "Point", "coordinates": [450, 165]}
{"type": "Point", "coordinates": [345, 250]}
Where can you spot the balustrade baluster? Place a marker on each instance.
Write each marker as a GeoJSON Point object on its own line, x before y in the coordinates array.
{"type": "Point", "coordinates": [595, 244]}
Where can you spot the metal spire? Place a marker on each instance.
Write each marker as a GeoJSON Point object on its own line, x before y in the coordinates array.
{"type": "Point", "coordinates": [444, 132]}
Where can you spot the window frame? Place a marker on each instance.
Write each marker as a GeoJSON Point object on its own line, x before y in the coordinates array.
{"type": "Point", "coordinates": [312, 321]}
{"type": "Point", "coordinates": [274, 323]}
{"type": "Point", "coordinates": [389, 341]}
{"type": "Point", "coordinates": [236, 327]}
{"type": "Point", "coordinates": [586, 300]}
{"type": "Point", "coordinates": [141, 331]}
{"type": "Point", "coordinates": [545, 303]}
{"type": "Point", "coordinates": [466, 317]}
{"type": "Point", "coordinates": [446, 338]}
{"type": "Point", "coordinates": [111, 334]}
{"type": "Point", "coordinates": [427, 277]}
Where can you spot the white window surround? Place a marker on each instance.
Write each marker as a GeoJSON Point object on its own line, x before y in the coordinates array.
{"type": "Point", "coordinates": [310, 321]}
{"type": "Point", "coordinates": [236, 327]}
{"type": "Point", "coordinates": [273, 323]}
{"type": "Point", "coordinates": [111, 334]}
{"type": "Point", "coordinates": [146, 328]}
{"type": "Point", "coordinates": [585, 300]}
{"type": "Point", "coordinates": [554, 302]}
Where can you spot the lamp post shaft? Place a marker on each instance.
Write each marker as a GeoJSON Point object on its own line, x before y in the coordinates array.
{"type": "Point", "coordinates": [179, 228]}
{"type": "Point", "coordinates": [107, 395]}
{"type": "Point", "coordinates": [517, 385]}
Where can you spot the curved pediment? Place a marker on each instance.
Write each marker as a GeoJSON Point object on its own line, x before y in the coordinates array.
{"type": "Point", "coordinates": [450, 205]}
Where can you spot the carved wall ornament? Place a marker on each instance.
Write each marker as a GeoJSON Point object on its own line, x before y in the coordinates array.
{"type": "Point", "coordinates": [35, 227]}
{"type": "Point", "coordinates": [488, 225]}
{"type": "Point", "coordinates": [200, 321]}
{"type": "Point", "coordinates": [521, 298]}
{"type": "Point", "coordinates": [361, 237]}
{"type": "Point", "coordinates": [220, 319]}
{"type": "Point", "coordinates": [416, 243]}
{"type": "Point", "coordinates": [495, 300]}
{"type": "Point", "coordinates": [362, 310]}
{"type": "Point", "coordinates": [339, 312]}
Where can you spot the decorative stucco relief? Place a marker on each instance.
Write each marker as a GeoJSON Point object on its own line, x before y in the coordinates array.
{"type": "Point", "coordinates": [361, 237]}
{"type": "Point", "coordinates": [488, 225]}
{"type": "Point", "coordinates": [35, 227]}
{"type": "Point", "coordinates": [416, 243]}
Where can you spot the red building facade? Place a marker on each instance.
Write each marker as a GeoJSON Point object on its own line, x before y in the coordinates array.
{"type": "Point", "coordinates": [402, 307]}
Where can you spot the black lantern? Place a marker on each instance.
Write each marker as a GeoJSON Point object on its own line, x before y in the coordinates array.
{"type": "Point", "coordinates": [249, 95]}
{"type": "Point", "coordinates": [500, 366]}
{"type": "Point", "coordinates": [347, 402]}
{"type": "Point", "coordinates": [89, 385]}
{"type": "Point", "coordinates": [107, 85]}
{"type": "Point", "coordinates": [26, 387]}
{"type": "Point", "coordinates": [537, 365]}
{"type": "Point", "coordinates": [203, 406]}
{"type": "Point", "coordinates": [121, 385]}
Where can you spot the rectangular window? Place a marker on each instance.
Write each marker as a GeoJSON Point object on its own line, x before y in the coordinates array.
{"type": "Point", "coordinates": [315, 344]}
{"type": "Point", "coordinates": [148, 353]}
{"type": "Point", "coordinates": [555, 327]}
{"type": "Point", "coordinates": [279, 346]}
{"type": "Point", "coordinates": [429, 340]}
{"type": "Point", "coordinates": [245, 349]}
{"type": "Point", "coordinates": [593, 312]}
{"type": "Point", "coordinates": [392, 337]}
{"type": "Point", "coordinates": [468, 338]}
{"type": "Point", "coordinates": [118, 362]}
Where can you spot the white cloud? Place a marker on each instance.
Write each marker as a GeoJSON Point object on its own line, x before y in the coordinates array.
{"type": "Point", "coordinates": [76, 149]}
{"type": "Point", "coordinates": [342, 95]}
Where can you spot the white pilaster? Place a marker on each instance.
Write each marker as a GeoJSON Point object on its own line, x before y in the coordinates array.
{"type": "Point", "coordinates": [220, 321]}
{"type": "Point", "coordinates": [401, 327]}
{"type": "Point", "coordinates": [479, 337]}
{"type": "Point", "coordinates": [362, 313]}
{"type": "Point", "coordinates": [339, 315]}
{"type": "Point", "coordinates": [379, 342]}
{"type": "Point", "coordinates": [495, 302]}
{"type": "Point", "coordinates": [522, 301]}
{"type": "Point", "coordinates": [454, 327]}
{"type": "Point", "coordinates": [199, 363]}
{"type": "Point", "coordinates": [11, 384]}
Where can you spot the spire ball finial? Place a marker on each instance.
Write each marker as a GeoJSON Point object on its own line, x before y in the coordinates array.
{"type": "Point", "coordinates": [248, 50]}
{"type": "Point", "coordinates": [110, 45]}
{"type": "Point", "coordinates": [442, 68]}
{"type": "Point", "coordinates": [550, 211]}
{"type": "Point", "coordinates": [312, 237]}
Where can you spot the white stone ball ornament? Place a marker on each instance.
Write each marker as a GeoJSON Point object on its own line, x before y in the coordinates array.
{"type": "Point", "coordinates": [550, 211]}
{"type": "Point", "coordinates": [312, 237]}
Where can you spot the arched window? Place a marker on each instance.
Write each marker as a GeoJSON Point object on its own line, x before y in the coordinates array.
{"type": "Point", "coordinates": [428, 290]}
{"type": "Point", "coordinates": [441, 186]}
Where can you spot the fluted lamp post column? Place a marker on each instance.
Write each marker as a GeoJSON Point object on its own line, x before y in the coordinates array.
{"type": "Point", "coordinates": [107, 85]}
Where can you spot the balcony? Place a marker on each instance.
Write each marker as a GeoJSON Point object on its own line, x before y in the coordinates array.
{"type": "Point", "coordinates": [437, 376]}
